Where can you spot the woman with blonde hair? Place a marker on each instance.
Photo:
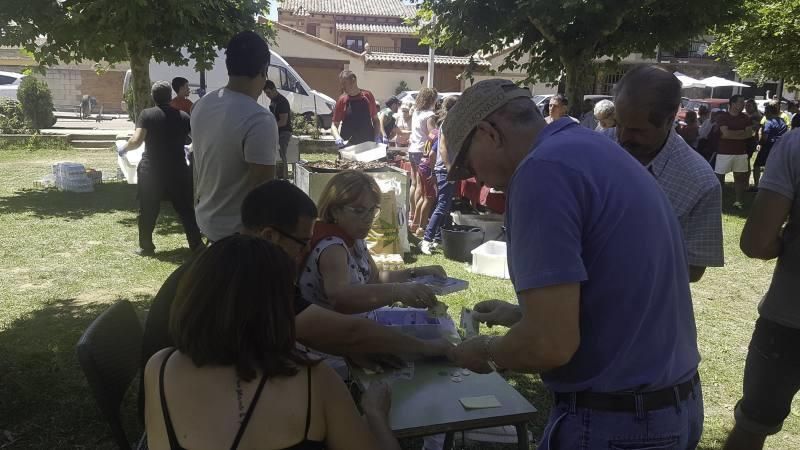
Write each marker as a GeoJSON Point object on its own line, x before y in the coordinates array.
{"type": "Point", "coordinates": [423, 122]}
{"type": "Point", "coordinates": [339, 273]}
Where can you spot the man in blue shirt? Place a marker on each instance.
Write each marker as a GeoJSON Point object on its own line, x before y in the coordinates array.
{"type": "Point", "coordinates": [600, 270]}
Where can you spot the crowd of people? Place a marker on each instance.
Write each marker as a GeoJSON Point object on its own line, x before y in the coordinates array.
{"type": "Point", "coordinates": [608, 222]}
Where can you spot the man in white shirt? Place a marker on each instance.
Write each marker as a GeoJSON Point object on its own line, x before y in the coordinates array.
{"type": "Point", "coordinates": [235, 140]}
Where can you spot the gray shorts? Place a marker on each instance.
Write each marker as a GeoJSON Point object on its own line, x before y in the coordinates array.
{"type": "Point", "coordinates": [283, 143]}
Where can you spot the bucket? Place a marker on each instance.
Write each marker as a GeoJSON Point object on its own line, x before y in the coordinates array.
{"type": "Point", "coordinates": [458, 242]}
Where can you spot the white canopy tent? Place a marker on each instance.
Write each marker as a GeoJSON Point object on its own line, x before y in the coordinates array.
{"type": "Point", "coordinates": [715, 82]}
{"type": "Point", "coordinates": [688, 82]}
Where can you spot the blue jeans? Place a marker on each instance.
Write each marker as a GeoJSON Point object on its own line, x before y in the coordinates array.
{"type": "Point", "coordinates": [441, 215]}
{"type": "Point", "coordinates": [673, 428]}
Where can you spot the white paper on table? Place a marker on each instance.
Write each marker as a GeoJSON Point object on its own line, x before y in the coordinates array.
{"type": "Point", "coordinates": [481, 402]}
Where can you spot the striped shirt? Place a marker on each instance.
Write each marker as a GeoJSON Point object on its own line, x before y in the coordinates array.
{"type": "Point", "coordinates": [695, 195]}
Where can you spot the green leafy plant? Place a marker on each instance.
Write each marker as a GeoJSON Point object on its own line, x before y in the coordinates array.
{"type": "Point", "coordinates": [113, 31]}
{"type": "Point", "coordinates": [305, 127]}
{"type": "Point", "coordinates": [12, 120]}
{"type": "Point", "coordinates": [37, 103]}
{"type": "Point", "coordinates": [554, 41]}
{"type": "Point", "coordinates": [760, 44]}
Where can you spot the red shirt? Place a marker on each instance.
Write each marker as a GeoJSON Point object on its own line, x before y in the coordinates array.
{"type": "Point", "coordinates": [734, 123]}
{"type": "Point", "coordinates": [182, 104]}
{"type": "Point", "coordinates": [364, 96]}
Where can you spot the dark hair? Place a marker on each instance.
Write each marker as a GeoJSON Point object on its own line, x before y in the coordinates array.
{"type": "Point", "coordinates": [791, 104]}
{"type": "Point", "coordinates": [703, 109]}
{"type": "Point", "coordinates": [663, 91]}
{"type": "Point", "coordinates": [392, 101]}
{"type": "Point", "coordinates": [447, 105]}
{"type": "Point", "coordinates": [561, 99]}
{"type": "Point", "coordinates": [735, 98]}
{"type": "Point", "coordinates": [269, 84]}
{"type": "Point", "coordinates": [247, 55]}
{"type": "Point", "coordinates": [276, 203]}
{"type": "Point", "coordinates": [161, 92]}
{"type": "Point", "coordinates": [178, 83]}
{"type": "Point", "coordinates": [234, 307]}
{"type": "Point", "coordinates": [691, 117]}
{"type": "Point", "coordinates": [772, 108]}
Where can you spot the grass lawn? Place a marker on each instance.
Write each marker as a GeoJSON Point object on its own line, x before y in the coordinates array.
{"type": "Point", "coordinates": [64, 257]}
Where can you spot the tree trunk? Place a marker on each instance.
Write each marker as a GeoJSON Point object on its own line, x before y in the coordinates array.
{"type": "Point", "coordinates": [578, 69]}
{"type": "Point", "coordinates": [140, 70]}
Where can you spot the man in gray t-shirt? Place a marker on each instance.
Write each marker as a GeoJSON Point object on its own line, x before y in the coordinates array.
{"type": "Point", "coordinates": [772, 370]}
{"type": "Point", "coordinates": [234, 139]}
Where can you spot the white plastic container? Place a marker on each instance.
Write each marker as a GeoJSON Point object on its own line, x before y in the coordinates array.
{"type": "Point", "coordinates": [490, 259]}
{"type": "Point", "coordinates": [364, 152]}
{"type": "Point", "coordinates": [128, 163]}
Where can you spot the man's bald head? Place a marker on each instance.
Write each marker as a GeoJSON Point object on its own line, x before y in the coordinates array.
{"type": "Point", "coordinates": [652, 90]}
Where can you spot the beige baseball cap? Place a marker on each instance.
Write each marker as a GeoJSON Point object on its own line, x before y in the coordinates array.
{"type": "Point", "coordinates": [474, 105]}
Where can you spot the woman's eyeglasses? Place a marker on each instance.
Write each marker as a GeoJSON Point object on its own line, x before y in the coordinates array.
{"type": "Point", "coordinates": [363, 213]}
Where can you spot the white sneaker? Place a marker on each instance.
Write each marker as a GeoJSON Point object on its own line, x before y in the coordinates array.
{"type": "Point", "coordinates": [425, 247]}
{"type": "Point", "coordinates": [435, 245]}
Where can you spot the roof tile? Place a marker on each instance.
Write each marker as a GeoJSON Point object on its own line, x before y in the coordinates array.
{"type": "Point", "coordinates": [380, 8]}
{"type": "Point", "coordinates": [389, 28]}
{"type": "Point", "coordinates": [423, 59]}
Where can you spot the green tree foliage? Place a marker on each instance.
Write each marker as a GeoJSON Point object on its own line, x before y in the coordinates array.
{"type": "Point", "coordinates": [114, 31]}
{"type": "Point", "coordinates": [763, 44]}
{"type": "Point", "coordinates": [554, 39]}
{"type": "Point", "coordinates": [12, 120]}
{"type": "Point", "coordinates": [37, 103]}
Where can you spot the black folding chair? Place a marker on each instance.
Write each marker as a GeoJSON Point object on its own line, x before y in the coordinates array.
{"type": "Point", "coordinates": [109, 353]}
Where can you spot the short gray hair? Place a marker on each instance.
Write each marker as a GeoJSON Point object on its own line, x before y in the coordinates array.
{"type": "Point", "coordinates": [604, 109]}
{"type": "Point", "coordinates": [161, 92]}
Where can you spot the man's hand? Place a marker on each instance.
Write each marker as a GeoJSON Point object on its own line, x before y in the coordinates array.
{"type": "Point", "coordinates": [497, 312]}
{"type": "Point", "coordinates": [472, 354]}
{"type": "Point", "coordinates": [339, 143]}
{"type": "Point", "coordinates": [122, 149]}
{"type": "Point", "coordinates": [439, 347]}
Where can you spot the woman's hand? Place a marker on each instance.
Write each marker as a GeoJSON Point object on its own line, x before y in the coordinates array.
{"type": "Point", "coordinates": [377, 400]}
{"type": "Point", "coordinates": [414, 295]}
{"type": "Point", "coordinates": [436, 271]}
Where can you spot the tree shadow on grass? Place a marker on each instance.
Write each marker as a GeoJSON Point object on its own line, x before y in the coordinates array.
{"type": "Point", "coordinates": [50, 203]}
{"type": "Point", "coordinates": [45, 401]}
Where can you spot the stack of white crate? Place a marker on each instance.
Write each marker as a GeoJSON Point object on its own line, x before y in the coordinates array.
{"type": "Point", "coordinates": [70, 176]}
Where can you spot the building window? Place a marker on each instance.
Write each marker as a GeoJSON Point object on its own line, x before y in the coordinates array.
{"type": "Point", "coordinates": [354, 43]}
{"type": "Point", "coordinates": [412, 46]}
{"type": "Point", "coordinates": [313, 29]}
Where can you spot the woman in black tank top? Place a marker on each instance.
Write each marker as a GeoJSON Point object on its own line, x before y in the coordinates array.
{"type": "Point", "coordinates": [232, 319]}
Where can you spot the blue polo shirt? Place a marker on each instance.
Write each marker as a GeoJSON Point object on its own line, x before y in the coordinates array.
{"type": "Point", "coordinates": [582, 210]}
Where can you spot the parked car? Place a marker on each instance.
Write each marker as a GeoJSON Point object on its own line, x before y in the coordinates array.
{"type": "Point", "coordinates": [543, 101]}
{"type": "Point", "coordinates": [695, 104]}
{"type": "Point", "coordinates": [290, 84]}
{"type": "Point", "coordinates": [9, 83]}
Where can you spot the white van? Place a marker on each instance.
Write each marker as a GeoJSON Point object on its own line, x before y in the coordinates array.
{"type": "Point", "coordinates": [302, 98]}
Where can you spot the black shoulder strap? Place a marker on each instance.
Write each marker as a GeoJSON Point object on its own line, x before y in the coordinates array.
{"type": "Point", "coordinates": [308, 407]}
{"type": "Point", "coordinates": [173, 439]}
{"type": "Point", "coordinates": [250, 410]}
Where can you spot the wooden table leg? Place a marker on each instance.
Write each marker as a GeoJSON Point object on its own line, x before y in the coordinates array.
{"type": "Point", "coordinates": [522, 436]}
{"type": "Point", "coordinates": [448, 441]}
